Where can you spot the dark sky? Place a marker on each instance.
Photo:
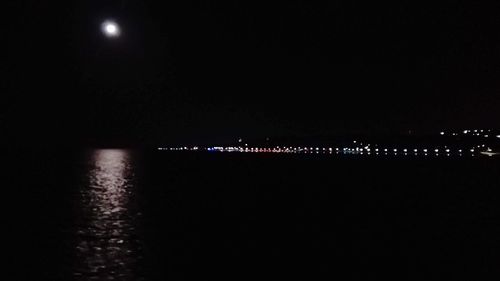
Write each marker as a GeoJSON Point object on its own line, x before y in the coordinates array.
{"type": "Point", "coordinates": [212, 70]}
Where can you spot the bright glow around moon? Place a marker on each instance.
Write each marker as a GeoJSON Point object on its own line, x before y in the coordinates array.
{"type": "Point", "coordinates": [110, 28]}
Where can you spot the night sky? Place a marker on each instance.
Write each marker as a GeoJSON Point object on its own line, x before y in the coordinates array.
{"type": "Point", "coordinates": [202, 71]}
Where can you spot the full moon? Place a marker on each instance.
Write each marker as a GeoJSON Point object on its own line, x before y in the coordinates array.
{"type": "Point", "coordinates": [110, 29]}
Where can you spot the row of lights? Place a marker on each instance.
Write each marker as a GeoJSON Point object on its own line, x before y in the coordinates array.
{"type": "Point", "coordinates": [484, 133]}
{"type": "Point", "coordinates": [323, 150]}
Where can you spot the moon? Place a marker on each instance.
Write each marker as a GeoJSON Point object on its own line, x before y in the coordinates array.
{"type": "Point", "coordinates": [110, 28]}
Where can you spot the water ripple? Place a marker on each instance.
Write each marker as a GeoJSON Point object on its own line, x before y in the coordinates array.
{"type": "Point", "coordinates": [108, 247]}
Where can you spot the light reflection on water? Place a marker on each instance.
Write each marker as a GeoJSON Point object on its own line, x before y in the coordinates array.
{"type": "Point", "coordinates": [108, 247]}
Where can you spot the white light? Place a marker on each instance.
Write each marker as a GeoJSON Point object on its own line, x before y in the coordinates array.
{"type": "Point", "coordinates": [442, 133]}
{"type": "Point", "coordinates": [110, 29]}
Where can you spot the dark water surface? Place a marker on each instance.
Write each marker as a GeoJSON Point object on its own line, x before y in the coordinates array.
{"type": "Point", "coordinates": [147, 215]}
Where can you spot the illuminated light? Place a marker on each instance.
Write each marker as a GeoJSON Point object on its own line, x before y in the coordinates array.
{"type": "Point", "coordinates": [385, 150]}
{"type": "Point", "coordinates": [442, 133]}
{"type": "Point", "coordinates": [472, 150]}
{"type": "Point", "coordinates": [415, 150]}
{"type": "Point", "coordinates": [447, 150]}
{"type": "Point", "coordinates": [436, 150]}
{"type": "Point", "coordinates": [498, 136]}
{"type": "Point", "coordinates": [486, 136]}
{"type": "Point", "coordinates": [465, 131]}
{"type": "Point", "coordinates": [395, 150]}
{"type": "Point", "coordinates": [110, 29]}
{"type": "Point", "coordinates": [405, 150]}
{"type": "Point", "coordinates": [376, 149]}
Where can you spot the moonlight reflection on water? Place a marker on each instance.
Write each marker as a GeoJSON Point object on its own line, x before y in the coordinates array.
{"type": "Point", "coordinates": [107, 243]}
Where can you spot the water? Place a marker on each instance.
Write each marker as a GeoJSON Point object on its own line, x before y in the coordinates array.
{"type": "Point", "coordinates": [108, 246]}
{"type": "Point", "coordinates": [147, 215]}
